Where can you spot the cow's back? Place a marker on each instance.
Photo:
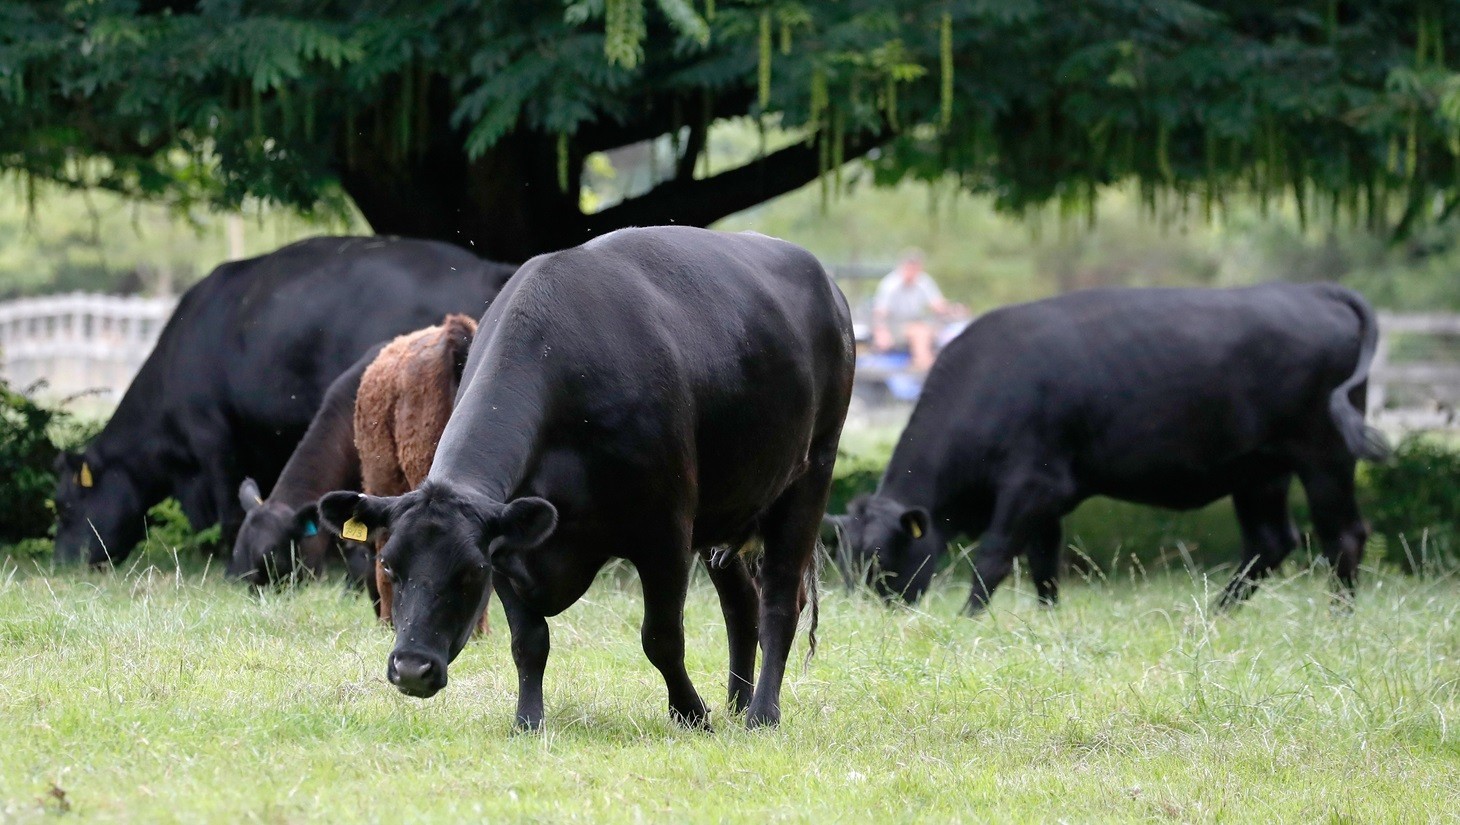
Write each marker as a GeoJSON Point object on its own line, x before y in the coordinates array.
{"type": "Point", "coordinates": [680, 362]}
{"type": "Point", "coordinates": [252, 348]}
{"type": "Point", "coordinates": [1163, 395]}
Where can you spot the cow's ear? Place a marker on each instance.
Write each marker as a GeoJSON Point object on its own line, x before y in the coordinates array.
{"type": "Point", "coordinates": [249, 496]}
{"type": "Point", "coordinates": [67, 463]}
{"type": "Point", "coordinates": [915, 520]}
{"type": "Point", "coordinates": [306, 520]}
{"type": "Point", "coordinates": [348, 515]}
{"type": "Point", "coordinates": [525, 522]}
{"type": "Point", "coordinates": [459, 331]}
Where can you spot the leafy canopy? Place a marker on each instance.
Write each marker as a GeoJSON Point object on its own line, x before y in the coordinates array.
{"type": "Point", "coordinates": [1349, 108]}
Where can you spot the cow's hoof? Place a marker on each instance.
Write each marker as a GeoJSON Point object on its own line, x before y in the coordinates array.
{"type": "Point", "coordinates": [694, 717]}
{"type": "Point", "coordinates": [763, 718]}
{"type": "Point", "coordinates": [527, 725]}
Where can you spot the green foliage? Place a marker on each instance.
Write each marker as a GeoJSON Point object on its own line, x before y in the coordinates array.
{"type": "Point", "coordinates": [1345, 108]}
{"type": "Point", "coordinates": [1413, 502]}
{"type": "Point", "coordinates": [168, 531]}
{"type": "Point", "coordinates": [31, 436]}
{"type": "Point", "coordinates": [855, 474]}
{"type": "Point", "coordinates": [65, 240]}
{"type": "Point", "coordinates": [27, 455]}
{"type": "Point", "coordinates": [987, 259]}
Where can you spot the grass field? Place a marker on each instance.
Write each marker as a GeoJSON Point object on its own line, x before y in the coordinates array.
{"type": "Point", "coordinates": [158, 694]}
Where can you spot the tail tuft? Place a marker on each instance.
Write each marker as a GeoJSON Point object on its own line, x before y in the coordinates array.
{"type": "Point", "coordinates": [811, 581]}
{"type": "Point", "coordinates": [1364, 441]}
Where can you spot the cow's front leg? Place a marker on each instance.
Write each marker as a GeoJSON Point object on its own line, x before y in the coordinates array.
{"type": "Point", "coordinates": [665, 581]}
{"type": "Point", "coordinates": [530, 646]}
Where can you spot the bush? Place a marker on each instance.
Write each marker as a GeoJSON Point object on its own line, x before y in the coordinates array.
{"type": "Point", "coordinates": [1413, 503]}
{"type": "Point", "coordinates": [27, 455]}
{"type": "Point", "coordinates": [855, 474]}
{"type": "Point", "coordinates": [31, 436]}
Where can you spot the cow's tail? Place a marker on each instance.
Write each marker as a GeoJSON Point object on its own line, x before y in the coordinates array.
{"type": "Point", "coordinates": [1362, 440]}
{"type": "Point", "coordinates": [811, 582]}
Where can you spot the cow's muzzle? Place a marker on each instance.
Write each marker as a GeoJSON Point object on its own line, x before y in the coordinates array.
{"type": "Point", "coordinates": [421, 675]}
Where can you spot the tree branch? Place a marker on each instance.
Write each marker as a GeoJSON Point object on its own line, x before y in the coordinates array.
{"type": "Point", "coordinates": [657, 121]}
{"type": "Point", "coordinates": [702, 202]}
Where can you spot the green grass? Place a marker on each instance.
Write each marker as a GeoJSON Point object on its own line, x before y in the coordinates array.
{"type": "Point", "coordinates": [155, 694]}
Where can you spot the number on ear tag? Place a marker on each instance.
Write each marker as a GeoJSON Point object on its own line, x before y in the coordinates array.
{"type": "Point", "coordinates": [354, 530]}
{"type": "Point", "coordinates": [917, 530]}
{"type": "Point", "coordinates": [85, 476]}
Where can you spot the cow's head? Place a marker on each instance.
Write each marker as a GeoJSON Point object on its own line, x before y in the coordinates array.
{"type": "Point", "coordinates": [275, 538]}
{"type": "Point", "coordinates": [893, 541]}
{"type": "Point", "coordinates": [443, 546]}
{"type": "Point", "coordinates": [100, 509]}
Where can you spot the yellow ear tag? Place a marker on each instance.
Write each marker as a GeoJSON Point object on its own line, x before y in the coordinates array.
{"type": "Point", "coordinates": [85, 476]}
{"type": "Point", "coordinates": [916, 530]}
{"type": "Point", "coordinates": [354, 530]}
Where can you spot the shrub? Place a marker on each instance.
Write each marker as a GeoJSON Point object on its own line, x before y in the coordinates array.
{"type": "Point", "coordinates": [31, 435]}
{"type": "Point", "coordinates": [855, 475]}
{"type": "Point", "coordinates": [1413, 503]}
{"type": "Point", "coordinates": [27, 455]}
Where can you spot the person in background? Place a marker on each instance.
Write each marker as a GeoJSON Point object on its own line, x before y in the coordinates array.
{"type": "Point", "coordinates": [906, 310]}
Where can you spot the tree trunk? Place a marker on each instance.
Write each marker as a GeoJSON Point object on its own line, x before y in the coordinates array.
{"type": "Point", "coordinates": [508, 206]}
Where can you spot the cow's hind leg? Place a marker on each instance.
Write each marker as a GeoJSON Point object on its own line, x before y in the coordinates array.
{"type": "Point", "coordinates": [1043, 553]}
{"type": "Point", "coordinates": [1341, 530]}
{"type": "Point", "coordinates": [741, 606]}
{"type": "Point", "coordinates": [530, 647]}
{"type": "Point", "coordinates": [790, 530]}
{"type": "Point", "coordinates": [1268, 536]}
{"type": "Point", "coordinates": [1026, 520]}
{"type": "Point", "coordinates": [665, 581]}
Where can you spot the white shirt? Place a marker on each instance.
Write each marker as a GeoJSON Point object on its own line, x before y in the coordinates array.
{"type": "Point", "coordinates": [904, 302]}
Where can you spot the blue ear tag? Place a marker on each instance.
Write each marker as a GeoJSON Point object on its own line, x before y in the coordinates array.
{"type": "Point", "coordinates": [310, 529]}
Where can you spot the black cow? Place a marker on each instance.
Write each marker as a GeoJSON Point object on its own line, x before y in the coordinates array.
{"type": "Point", "coordinates": [1168, 397]}
{"type": "Point", "coordinates": [648, 394]}
{"type": "Point", "coordinates": [238, 372]}
{"type": "Point", "coordinates": [281, 531]}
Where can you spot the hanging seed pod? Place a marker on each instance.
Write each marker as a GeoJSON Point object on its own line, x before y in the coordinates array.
{"type": "Point", "coordinates": [765, 59]}
{"type": "Point", "coordinates": [889, 100]}
{"type": "Point", "coordinates": [563, 162]}
{"type": "Point", "coordinates": [624, 31]}
{"type": "Point", "coordinates": [407, 108]}
{"type": "Point", "coordinates": [816, 107]}
{"type": "Point", "coordinates": [945, 61]}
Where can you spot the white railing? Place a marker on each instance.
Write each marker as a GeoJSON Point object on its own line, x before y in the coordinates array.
{"type": "Point", "coordinates": [94, 345]}
{"type": "Point", "coordinates": [79, 343]}
{"type": "Point", "coordinates": [1410, 395]}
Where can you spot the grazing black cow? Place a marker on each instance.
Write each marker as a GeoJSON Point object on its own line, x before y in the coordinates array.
{"type": "Point", "coordinates": [1168, 397]}
{"type": "Point", "coordinates": [648, 394]}
{"type": "Point", "coordinates": [238, 372]}
{"type": "Point", "coordinates": [282, 530]}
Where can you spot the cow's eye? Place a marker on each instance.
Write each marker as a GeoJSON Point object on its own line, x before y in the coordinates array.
{"type": "Point", "coordinates": [386, 569]}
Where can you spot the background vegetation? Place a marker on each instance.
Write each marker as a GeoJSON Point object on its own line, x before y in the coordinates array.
{"type": "Point", "coordinates": [471, 121]}
{"type": "Point", "coordinates": [1412, 504]}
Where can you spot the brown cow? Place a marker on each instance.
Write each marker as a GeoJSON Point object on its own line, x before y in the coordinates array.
{"type": "Point", "coordinates": [404, 401]}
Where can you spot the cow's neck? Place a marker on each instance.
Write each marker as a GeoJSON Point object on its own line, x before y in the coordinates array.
{"type": "Point", "coordinates": [325, 460]}
{"type": "Point", "coordinates": [493, 439]}
{"type": "Point", "coordinates": [911, 474]}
